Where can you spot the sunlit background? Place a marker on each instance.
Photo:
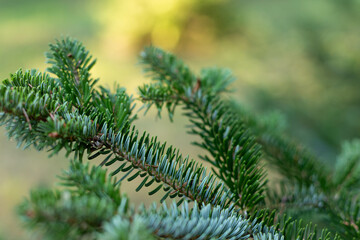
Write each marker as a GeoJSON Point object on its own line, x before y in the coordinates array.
{"type": "Point", "coordinates": [300, 58]}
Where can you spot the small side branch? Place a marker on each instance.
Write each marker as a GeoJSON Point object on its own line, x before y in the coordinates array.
{"type": "Point", "coordinates": [27, 118]}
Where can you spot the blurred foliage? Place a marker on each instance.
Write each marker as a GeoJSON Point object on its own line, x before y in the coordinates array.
{"type": "Point", "coordinates": [298, 57]}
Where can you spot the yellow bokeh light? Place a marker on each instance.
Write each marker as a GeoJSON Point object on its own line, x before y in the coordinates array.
{"type": "Point", "coordinates": [162, 6]}
{"type": "Point", "coordinates": [129, 23]}
{"type": "Point", "coordinates": [165, 35]}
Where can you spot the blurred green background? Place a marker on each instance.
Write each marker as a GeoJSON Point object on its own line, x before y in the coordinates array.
{"type": "Point", "coordinates": [299, 57]}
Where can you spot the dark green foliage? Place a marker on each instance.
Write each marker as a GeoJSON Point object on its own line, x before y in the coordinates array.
{"type": "Point", "coordinates": [295, 162]}
{"type": "Point", "coordinates": [347, 169]}
{"type": "Point", "coordinates": [68, 111]}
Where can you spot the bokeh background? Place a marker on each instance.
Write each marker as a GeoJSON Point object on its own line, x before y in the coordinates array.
{"type": "Point", "coordinates": [299, 58]}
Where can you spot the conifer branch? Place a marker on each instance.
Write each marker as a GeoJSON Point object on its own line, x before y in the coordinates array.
{"type": "Point", "coordinates": [295, 162]}
{"type": "Point", "coordinates": [69, 112]}
{"type": "Point", "coordinates": [234, 153]}
{"type": "Point", "coordinates": [101, 128]}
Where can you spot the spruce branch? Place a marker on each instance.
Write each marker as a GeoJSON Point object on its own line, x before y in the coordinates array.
{"type": "Point", "coordinates": [66, 110]}
{"type": "Point", "coordinates": [213, 120]}
{"type": "Point", "coordinates": [146, 155]}
{"type": "Point", "coordinates": [346, 176]}
{"type": "Point", "coordinates": [295, 162]}
{"type": "Point", "coordinates": [102, 127]}
{"type": "Point", "coordinates": [71, 63]}
{"type": "Point", "coordinates": [77, 212]}
{"type": "Point", "coordinates": [64, 213]}
{"type": "Point", "coordinates": [234, 154]}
